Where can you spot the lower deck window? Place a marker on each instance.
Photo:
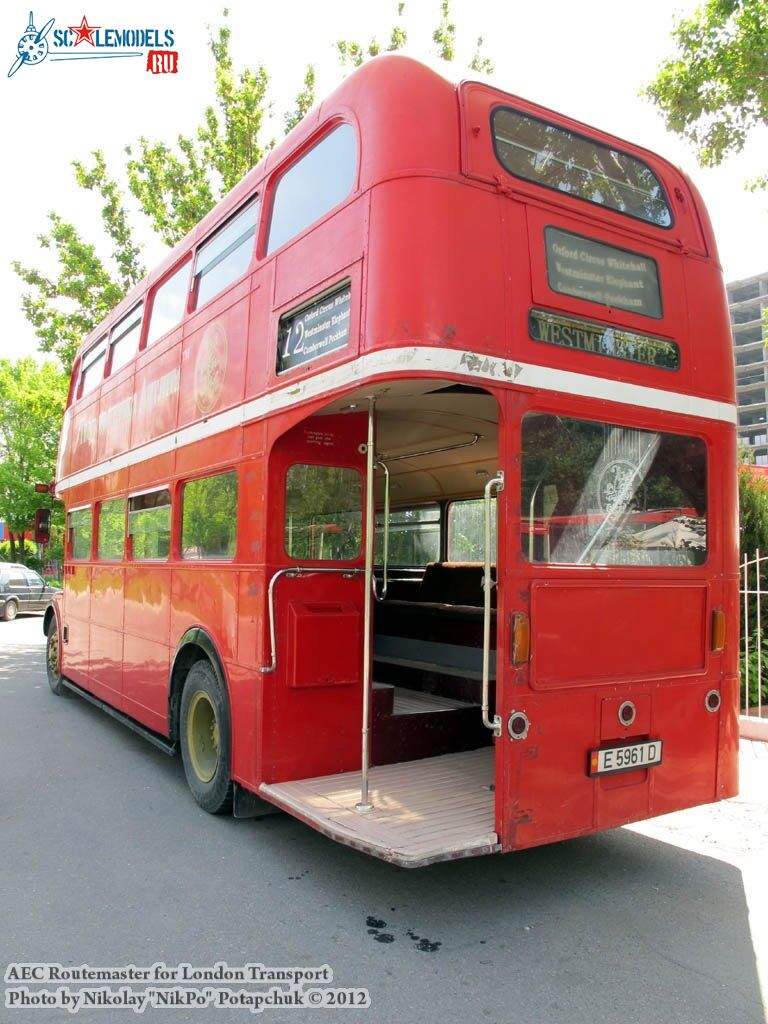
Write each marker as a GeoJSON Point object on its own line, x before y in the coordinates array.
{"type": "Point", "coordinates": [466, 530]}
{"type": "Point", "coordinates": [111, 541]}
{"type": "Point", "coordinates": [323, 513]}
{"type": "Point", "coordinates": [80, 533]}
{"type": "Point", "coordinates": [209, 517]}
{"type": "Point", "coordinates": [149, 525]}
{"type": "Point", "coordinates": [414, 536]}
{"type": "Point", "coordinates": [605, 494]}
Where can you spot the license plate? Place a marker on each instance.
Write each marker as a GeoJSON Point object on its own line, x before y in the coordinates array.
{"type": "Point", "coordinates": [625, 758]}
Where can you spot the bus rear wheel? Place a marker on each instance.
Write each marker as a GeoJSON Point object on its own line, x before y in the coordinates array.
{"type": "Point", "coordinates": [52, 659]}
{"type": "Point", "coordinates": [204, 732]}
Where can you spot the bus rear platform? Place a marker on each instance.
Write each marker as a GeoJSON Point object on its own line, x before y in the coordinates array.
{"type": "Point", "coordinates": [433, 809]}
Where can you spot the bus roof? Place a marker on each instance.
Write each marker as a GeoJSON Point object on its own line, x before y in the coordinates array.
{"type": "Point", "coordinates": [415, 111]}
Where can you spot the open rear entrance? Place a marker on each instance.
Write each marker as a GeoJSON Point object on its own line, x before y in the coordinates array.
{"type": "Point", "coordinates": [431, 757]}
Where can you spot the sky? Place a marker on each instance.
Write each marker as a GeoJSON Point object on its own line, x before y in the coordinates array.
{"type": "Point", "coordinates": [586, 60]}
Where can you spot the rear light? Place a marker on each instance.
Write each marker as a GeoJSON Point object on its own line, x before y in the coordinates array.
{"type": "Point", "coordinates": [521, 639]}
{"type": "Point", "coordinates": [718, 630]}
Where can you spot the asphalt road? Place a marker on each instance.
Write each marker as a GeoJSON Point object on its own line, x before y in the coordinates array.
{"type": "Point", "coordinates": [106, 860]}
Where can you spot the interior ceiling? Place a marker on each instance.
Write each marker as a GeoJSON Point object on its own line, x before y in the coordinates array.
{"type": "Point", "coordinates": [412, 416]}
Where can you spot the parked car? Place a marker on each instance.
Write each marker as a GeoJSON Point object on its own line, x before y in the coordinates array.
{"type": "Point", "coordinates": [22, 590]}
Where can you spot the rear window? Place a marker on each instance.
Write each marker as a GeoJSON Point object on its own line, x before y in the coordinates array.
{"type": "Point", "coordinates": [559, 159]}
{"type": "Point", "coordinates": [607, 494]}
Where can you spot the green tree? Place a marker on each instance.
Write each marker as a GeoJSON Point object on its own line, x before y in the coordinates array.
{"type": "Point", "coordinates": [714, 90]}
{"type": "Point", "coordinates": [353, 54]}
{"type": "Point", "coordinates": [753, 513]}
{"type": "Point", "coordinates": [445, 33]}
{"type": "Point", "coordinates": [32, 400]}
{"type": "Point", "coordinates": [479, 62]}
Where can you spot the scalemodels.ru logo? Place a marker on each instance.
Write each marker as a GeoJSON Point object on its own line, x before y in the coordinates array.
{"type": "Point", "coordinates": [99, 42]}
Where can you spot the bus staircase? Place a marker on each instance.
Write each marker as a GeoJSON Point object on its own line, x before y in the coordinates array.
{"type": "Point", "coordinates": [411, 724]}
{"type": "Point", "coordinates": [431, 783]}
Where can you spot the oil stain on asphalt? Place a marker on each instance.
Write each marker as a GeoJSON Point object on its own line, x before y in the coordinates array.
{"type": "Point", "coordinates": [376, 925]}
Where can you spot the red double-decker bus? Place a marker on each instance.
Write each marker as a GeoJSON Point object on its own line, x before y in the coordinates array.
{"type": "Point", "coordinates": [402, 495]}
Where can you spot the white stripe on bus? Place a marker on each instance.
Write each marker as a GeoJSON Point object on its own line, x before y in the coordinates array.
{"type": "Point", "coordinates": [472, 365]}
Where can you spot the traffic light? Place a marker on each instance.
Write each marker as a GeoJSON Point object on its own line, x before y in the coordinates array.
{"type": "Point", "coordinates": [42, 525]}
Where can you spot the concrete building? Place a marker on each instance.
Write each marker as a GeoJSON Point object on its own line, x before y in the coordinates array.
{"type": "Point", "coordinates": [746, 301]}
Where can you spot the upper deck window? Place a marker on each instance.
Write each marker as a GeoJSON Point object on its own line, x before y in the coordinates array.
{"type": "Point", "coordinates": [124, 340]}
{"type": "Point", "coordinates": [225, 256]}
{"type": "Point", "coordinates": [559, 159]}
{"type": "Point", "coordinates": [169, 304]}
{"type": "Point", "coordinates": [317, 182]}
{"type": "Point", "coordinates": [92, 372]}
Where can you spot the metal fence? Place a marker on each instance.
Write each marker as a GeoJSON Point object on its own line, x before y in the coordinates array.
{"type": "Point", "coordinates": [754, 647]}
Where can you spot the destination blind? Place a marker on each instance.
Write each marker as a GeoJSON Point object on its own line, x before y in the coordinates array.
{"type": "Point", "coordinates": [587, 269]}
{"type": "Point", "coordinates": [314, 331]}
{"type": "Point", "coordinates": [602, 340]}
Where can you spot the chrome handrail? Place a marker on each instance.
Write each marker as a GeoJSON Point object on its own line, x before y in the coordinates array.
{"type": "Point", "coordinates": [530, 519]}
{"type": "Point", "coordinates": [385, 555]}
{"type": "Point", "coordinates": [476, 438]}
{"type": "Point", "coordinates": [294, 572]}
{"type": "Point", "coordinates": [497, 482]}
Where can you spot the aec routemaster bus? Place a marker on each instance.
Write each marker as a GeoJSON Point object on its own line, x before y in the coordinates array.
{"type": "Point", "coordinates": [402, 495]}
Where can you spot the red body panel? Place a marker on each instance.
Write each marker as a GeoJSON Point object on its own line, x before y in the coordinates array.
{"type": "Point", "coordinates": [443, 250]}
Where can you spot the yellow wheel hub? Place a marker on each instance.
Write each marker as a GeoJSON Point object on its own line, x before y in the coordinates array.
{"type": "Point", "coordinates": [203, 736]}
{"type": "Point", "coordinates": [53, 653]}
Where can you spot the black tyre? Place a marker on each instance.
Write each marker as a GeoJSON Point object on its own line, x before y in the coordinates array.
{"type": "Point", "coordinates": [10, 611]}
{"type": "Point", "coordinates": [53, 659]}
{"type": "Point", "coordinates": [206, 743]}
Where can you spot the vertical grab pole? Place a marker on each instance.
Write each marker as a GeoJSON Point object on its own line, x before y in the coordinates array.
{"type": "Point", "coordinates": [385, 554]}
{"type": "Point", "coordinates": [497, 484]}
{"type": "Point", "coordinates": [364, 803]}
